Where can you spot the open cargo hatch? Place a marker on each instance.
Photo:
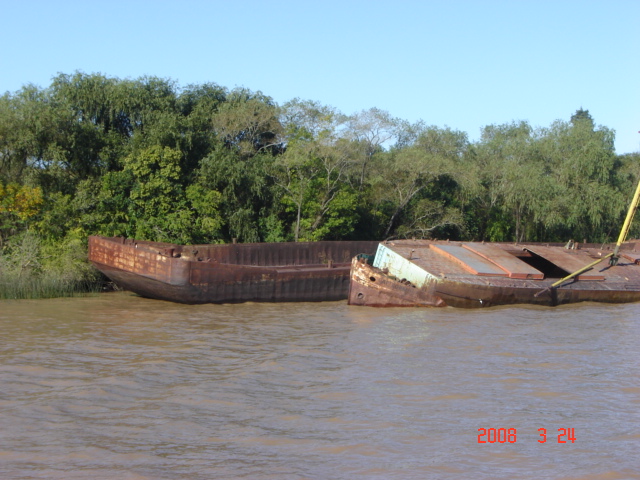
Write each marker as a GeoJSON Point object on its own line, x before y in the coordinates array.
{"type": "Point", "coordinates": [568, 261]}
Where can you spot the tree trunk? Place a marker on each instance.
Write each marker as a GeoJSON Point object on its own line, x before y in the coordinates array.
{"type": "Point", "coordinates": [392, 221]}
{"type": "Point", "coordinates": [297, 234]}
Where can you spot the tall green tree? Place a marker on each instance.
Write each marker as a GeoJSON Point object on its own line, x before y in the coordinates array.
{"type": "Point", "coordinates": [370, 130]}
{"type": "Point", "coordinates": [313, 172]}
{"type": "Point", "coordinates": [513, 181]}
{"type": "Point", "coordinates": [580, 162]}
{"type": "Point", "coordinates": [405, 175]}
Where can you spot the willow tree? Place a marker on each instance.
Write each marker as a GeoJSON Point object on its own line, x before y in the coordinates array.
{"type": "Point", "coordinates": [513, 182]}
{"type": "Point", "coordinates": [247, 130]}
{"type": "Point", "coordinates": [36, 140]}
{"type": "Point", "coordinates": [370, 130]}
{"type": "Point", "coordinates": [313, 171]}
{"type": "Point", "coordinates": [405, 176]}
{"type": "Point", "coordinates": [581, 165]}
{"type": "Point", "coordinates": [198, 105]}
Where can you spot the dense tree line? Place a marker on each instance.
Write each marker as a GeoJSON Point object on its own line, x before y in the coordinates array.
{"type": "Point", "coordinates": [147, 159]}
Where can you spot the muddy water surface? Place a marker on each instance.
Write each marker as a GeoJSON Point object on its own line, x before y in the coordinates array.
{"type": "Point", "coordinates": [116, 386]}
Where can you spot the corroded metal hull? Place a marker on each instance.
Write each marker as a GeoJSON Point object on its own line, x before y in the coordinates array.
{"type": "Point", "coordinates": [232, 273]}
{"type": "Point", "coordinates": [372, 287]}
{"type": "Point", "coordinates": [422, 273]}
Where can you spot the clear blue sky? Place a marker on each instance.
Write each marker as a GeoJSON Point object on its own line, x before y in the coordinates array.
{"type": "Point", "coordinates": [462, 64]}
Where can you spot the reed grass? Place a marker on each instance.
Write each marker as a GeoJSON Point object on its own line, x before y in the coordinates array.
{"type": "Point", "coordinates": [45, 287]}
{"type": "Point", "coordinates": [31, 269]}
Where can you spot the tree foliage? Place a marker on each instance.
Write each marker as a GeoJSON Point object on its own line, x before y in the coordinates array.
{"type": "Point", "coordinates": [93, 154]}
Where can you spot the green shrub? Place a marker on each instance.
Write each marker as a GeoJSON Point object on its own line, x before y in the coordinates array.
{"type": "Point", "coordinates": [31, 268]}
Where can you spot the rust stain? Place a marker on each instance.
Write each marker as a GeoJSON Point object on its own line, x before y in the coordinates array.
{"type": "Point", "coordinates": [453, 280]}
{"type": "Point", "coordinates": [313, 271]}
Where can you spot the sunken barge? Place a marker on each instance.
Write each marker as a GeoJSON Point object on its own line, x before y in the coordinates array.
{"type": "Point", "coordinates": [228, 273]}
{"type": "Point", "coordinates": [473, 274]}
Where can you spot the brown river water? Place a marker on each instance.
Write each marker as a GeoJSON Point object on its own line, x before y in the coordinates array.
{"type": "Point", "coordinates": [115, 386]}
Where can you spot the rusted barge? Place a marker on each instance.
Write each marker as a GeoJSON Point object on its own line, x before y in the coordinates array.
{"type": "Point", "coordinates": [471, 274]}
{"type": "Point", "coordinates": [228, 273]}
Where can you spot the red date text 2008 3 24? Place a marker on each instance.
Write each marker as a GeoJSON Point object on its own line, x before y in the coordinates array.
{"type": "Point", "coordinates": [510, 435]}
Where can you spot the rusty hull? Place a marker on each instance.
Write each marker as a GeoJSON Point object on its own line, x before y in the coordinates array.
{"type": "Point", "coordinates": [229, 273]}
{"type": "Point", "coordinates": [373, 287]}
{"type": "Point", "coordinates": [429, 276]}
